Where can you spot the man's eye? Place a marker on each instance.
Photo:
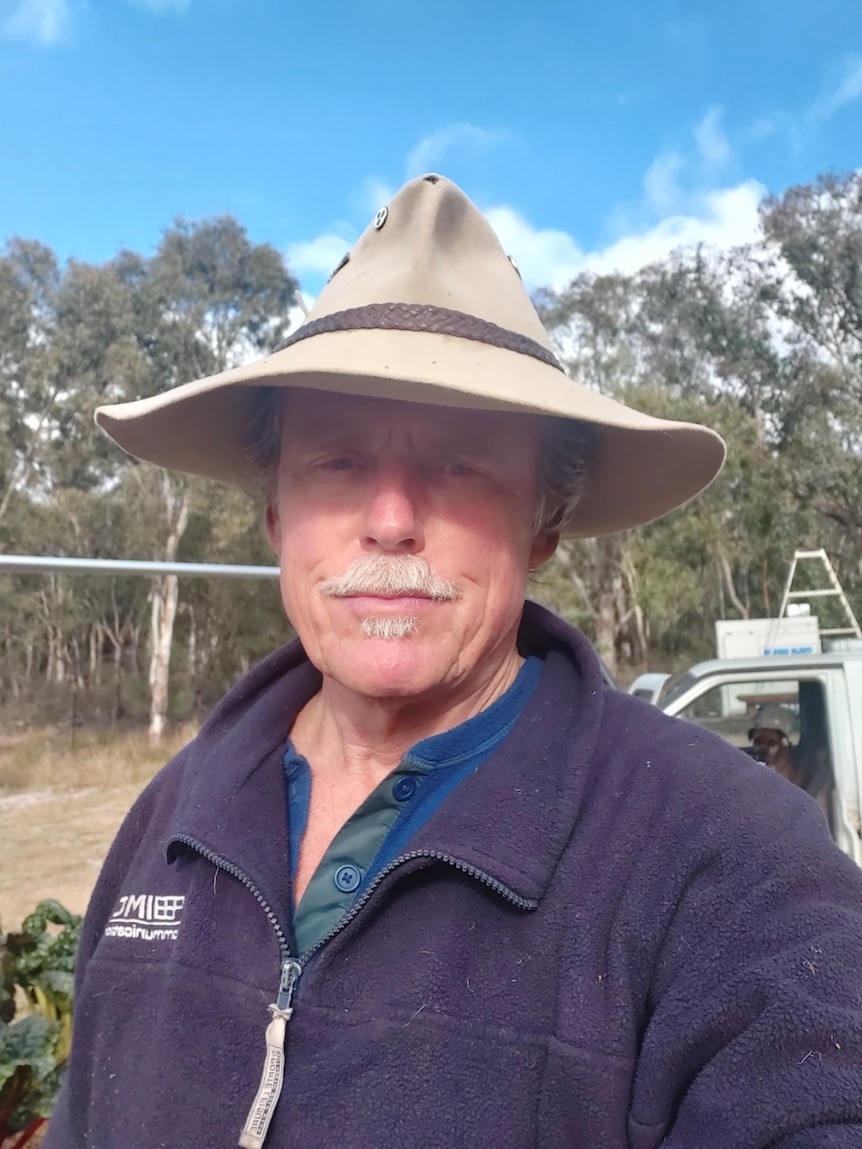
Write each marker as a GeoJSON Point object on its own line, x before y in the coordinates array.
{"type": "Point", "coordinates": [458, 468]}
{"type": "Point", "coordinates": [341, 463]}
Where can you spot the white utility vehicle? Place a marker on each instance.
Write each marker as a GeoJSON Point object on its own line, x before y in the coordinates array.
{"type": "Point", "coordinates": [824, 691]}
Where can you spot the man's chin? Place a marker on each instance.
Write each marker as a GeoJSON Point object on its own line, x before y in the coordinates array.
{"type": "Point", "coordinates": [388, 668]}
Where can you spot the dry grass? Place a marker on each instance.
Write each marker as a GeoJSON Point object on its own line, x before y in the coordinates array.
{"type": "Point", "coordinates": [60, 809]}
{"type": "Point", "coordinates": [46, 758]}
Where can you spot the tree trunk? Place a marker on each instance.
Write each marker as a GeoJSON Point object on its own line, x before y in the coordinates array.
{"type": "Point", "coordinates": [192, 659]}
{"type": "Point", "coordinates": [55, 668]}
{"type": "Point", "coordinates": [606, 582]}
{"type": "Point", "coordinates": [606, 628]}
{"type": "Point", "coordinates": [165, 598]}
{"type": "Point", "coordinates": [727, 573]}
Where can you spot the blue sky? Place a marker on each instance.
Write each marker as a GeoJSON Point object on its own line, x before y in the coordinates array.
{"type": "Point", "coordinates": [595, 135]}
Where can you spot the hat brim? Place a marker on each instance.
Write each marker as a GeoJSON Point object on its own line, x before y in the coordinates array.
{"type": "Point", "coordinates": [640, 467]}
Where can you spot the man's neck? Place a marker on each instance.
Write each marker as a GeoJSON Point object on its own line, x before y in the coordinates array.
{"type": "Point", "coordinates": [352, 743]}
{"type": "Point", "coordinates": [363, 739]}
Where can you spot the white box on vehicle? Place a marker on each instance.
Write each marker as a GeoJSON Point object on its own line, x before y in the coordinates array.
{"type": "Point", "coordinates": [753, 637]}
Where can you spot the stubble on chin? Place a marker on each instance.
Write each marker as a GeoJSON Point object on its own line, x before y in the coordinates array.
{"type": "Point", "coordinates": [397, 626]}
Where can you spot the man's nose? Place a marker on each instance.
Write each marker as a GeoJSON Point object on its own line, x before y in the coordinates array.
{"type": "Point", "coordinates": [393, 514]}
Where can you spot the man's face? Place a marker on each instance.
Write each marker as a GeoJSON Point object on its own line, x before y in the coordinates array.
{"type": "Point", "coordinates": [363, 479]}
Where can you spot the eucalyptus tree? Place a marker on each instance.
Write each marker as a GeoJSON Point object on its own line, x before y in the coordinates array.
{"type": "Point", "coordinates": [208, 298]}
{"type": "Point", "coordinates": [591, 324]}
{"type": "Point", "coordinates": [76, 337]}
{"type": "Point", "coordinates": [676, 340]}
{"type": "Point", "coordinates": [811, 278]}
{"type": "Point", "coordinates": [29, 280]}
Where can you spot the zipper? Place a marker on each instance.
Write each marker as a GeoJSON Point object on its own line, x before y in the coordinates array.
{"type": "Point", "coordinates": [260, 1115]}
{"type": "Point", "coordinates": [434, 855]}
{"type": "Point", "coordinates": [235, 872]}
{"type": "Point", "coordinates": [272, 1078]}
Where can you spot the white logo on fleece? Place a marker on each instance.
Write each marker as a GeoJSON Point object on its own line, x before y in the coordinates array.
{"type": "Point", "coordinates": [152, 917]}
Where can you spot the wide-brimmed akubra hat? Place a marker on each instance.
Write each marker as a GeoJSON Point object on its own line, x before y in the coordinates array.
{"type": "Point", "coordinates": [428, 308]}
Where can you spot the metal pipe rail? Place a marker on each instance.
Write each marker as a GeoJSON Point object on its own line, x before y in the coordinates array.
{"type": "Point", "coordinates": [37, 564]}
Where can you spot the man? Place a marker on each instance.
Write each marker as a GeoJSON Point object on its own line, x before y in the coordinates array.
{"type": "Point", "coordinates": [422, 879]}
{"type": "Point", "coordinates": [769, 736]}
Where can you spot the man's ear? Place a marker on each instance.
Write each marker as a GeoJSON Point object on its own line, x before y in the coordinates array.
{"type": "Point", "coordinates": [543, 546]}
{"type": "Point", "coordinates": [272, 525]}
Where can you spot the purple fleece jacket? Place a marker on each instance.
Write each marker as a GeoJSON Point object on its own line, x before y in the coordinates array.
{"type": "Point", "coordinates": [619, 932]}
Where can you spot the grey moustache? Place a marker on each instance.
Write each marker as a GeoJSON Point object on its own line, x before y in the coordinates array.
{"type": "Point", "coordinates": [390, 575]}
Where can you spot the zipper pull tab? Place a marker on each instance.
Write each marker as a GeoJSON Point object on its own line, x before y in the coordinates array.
{"type": "Point", "coordinates": [263, 1107]}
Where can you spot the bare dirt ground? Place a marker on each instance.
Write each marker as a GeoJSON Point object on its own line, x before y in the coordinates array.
{"type": "Point", "coordinates": [53, 845]}
{"type": "Point", "coordinates": [60, 810]}
{"type": "Point", "coordinates": [61, 802]}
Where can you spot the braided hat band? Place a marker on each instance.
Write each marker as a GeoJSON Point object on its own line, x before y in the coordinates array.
{"type": "Point", "coordinates": [422, 317]}
{"type": "Point", "coordinates": [427, 308]}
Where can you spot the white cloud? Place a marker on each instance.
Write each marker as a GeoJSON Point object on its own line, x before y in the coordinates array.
{"type": "Point", "coordinates": [544, 257]}
{"type": "Point", "coordinates": [43, 21]}
{"type": "Point", "coordinates": [430, 152]}
{"type": "Point", "coordinates": [712, 144]}
{"type": "Point", "coordinates": [723, 218]}
{"type": "Point", "coordinates": [296, 315]}
{"type": "Point", "coordinates": [662, 184]}
{"type": "Point", "coordinates": [318, 256]}
{"type": "Point", "coordinates": [848, 90]}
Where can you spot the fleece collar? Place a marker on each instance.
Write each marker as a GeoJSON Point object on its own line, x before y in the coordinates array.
{"type": "Point", "coordinates": [511, 819]}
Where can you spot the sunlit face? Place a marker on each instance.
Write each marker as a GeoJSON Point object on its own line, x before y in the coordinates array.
{"type": "Point", "coordinates": [360, 479]}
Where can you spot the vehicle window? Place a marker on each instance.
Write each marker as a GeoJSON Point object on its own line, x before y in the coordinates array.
{"type": "Point", "coordinates": [674, 687]}
{"type": "Point", "coordinates": [729, 710]}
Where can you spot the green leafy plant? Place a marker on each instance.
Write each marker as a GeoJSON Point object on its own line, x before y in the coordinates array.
{"type": "Point", "coordinates": [36, 978]}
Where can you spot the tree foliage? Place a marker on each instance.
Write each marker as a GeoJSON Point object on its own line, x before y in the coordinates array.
{"type": "Point", "coordinates": [80, 336]}
{"type": "Point", "coordinates": [764, 343]}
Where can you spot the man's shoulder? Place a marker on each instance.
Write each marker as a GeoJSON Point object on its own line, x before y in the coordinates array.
{"type": "Point", "coordinates": [201, 782]}
{"type": "Point", "coordinates": [635, 748]}
{"type": "Point", "coordinates": [241, 729]}
{"type": "Point", "coordinates": [704, 786]}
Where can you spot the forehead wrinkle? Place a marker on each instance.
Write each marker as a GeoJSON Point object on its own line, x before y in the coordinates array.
{"type": "Point", "coordinates": [369, 430]}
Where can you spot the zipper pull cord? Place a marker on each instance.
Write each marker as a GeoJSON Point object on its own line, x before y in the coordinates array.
{"type": "Point", "coordinates": [263, 1107]}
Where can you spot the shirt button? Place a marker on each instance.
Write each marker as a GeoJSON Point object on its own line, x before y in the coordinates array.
{"type": "Point", "coordinates": [347, 879]}
{"type": "Point", "coordinates": [404, 788]}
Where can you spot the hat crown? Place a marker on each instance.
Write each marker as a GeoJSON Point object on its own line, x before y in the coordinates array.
{"type": "Point", "coordinates": [428, 308]}
{"type": "Point", "coordinates": [433, 246]}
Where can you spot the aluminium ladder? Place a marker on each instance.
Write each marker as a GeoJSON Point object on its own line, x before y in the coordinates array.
{"type": "Point", "coordinates": [835, 590]}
